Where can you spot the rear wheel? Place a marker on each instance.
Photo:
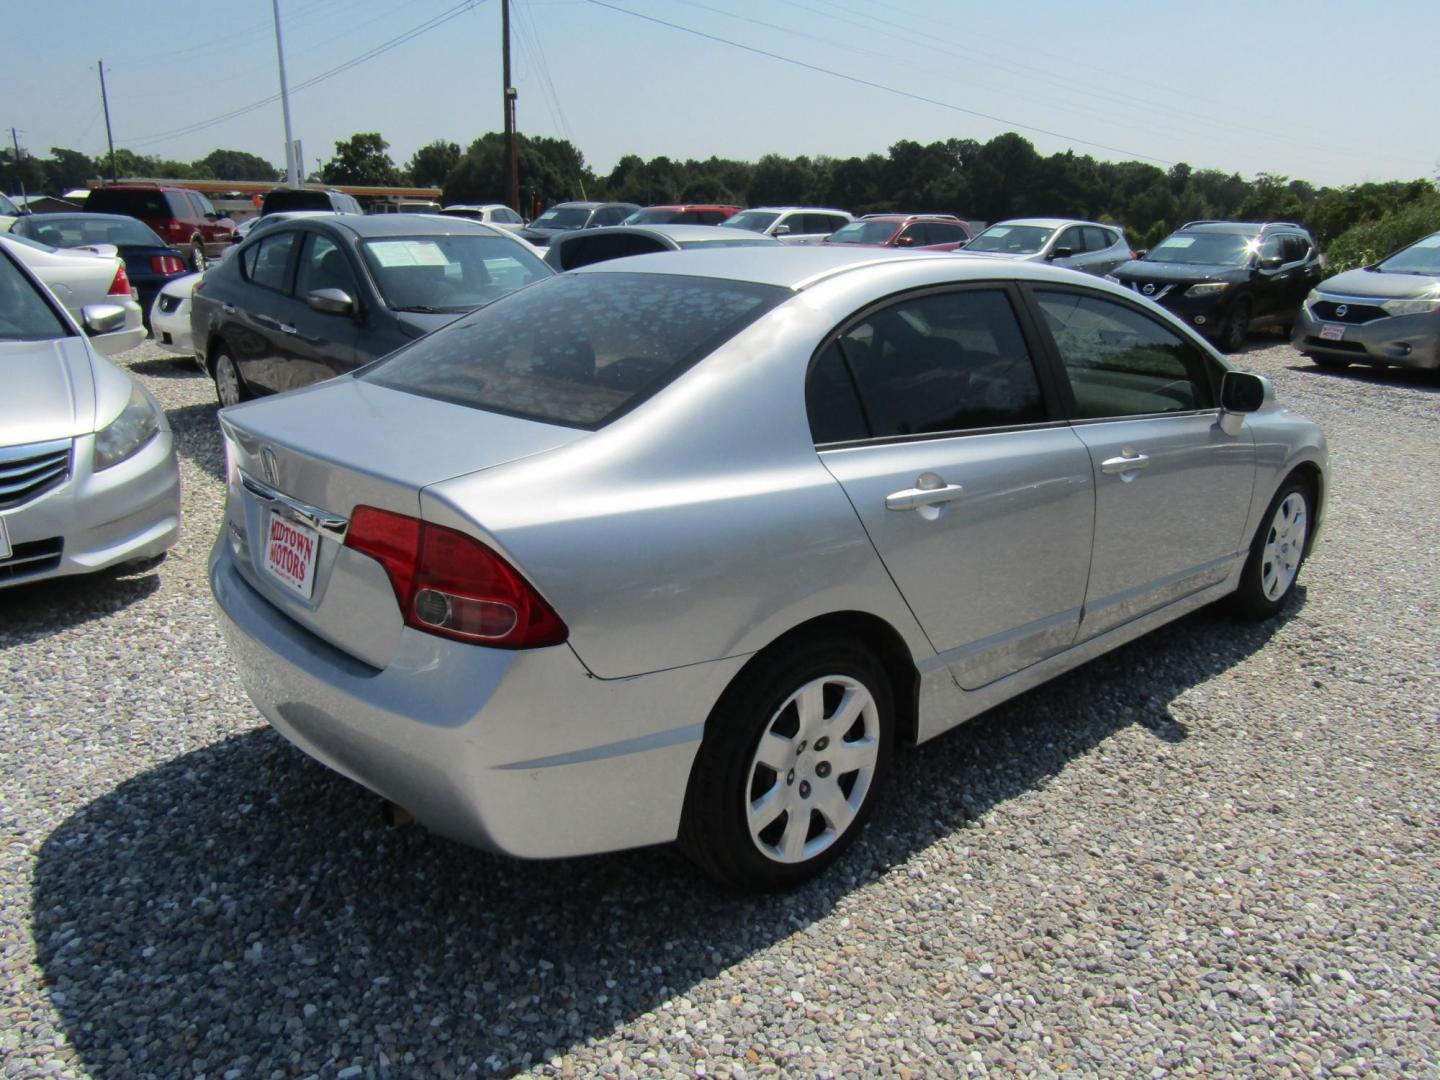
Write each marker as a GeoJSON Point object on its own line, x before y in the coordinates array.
{"type": "Point", "coordinates": [1237, 326]}
{"type": "Point", "coordinates": [198, 262]}
{"type": "Point", "coordinates": [1276, 553]}
{"type": "Point", "coordinates": [793, 757]}
{"type": "Point", "coordinates": [230, 388]}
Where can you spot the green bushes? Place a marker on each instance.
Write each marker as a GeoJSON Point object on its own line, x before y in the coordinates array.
{"type": "Point", "coordinates": [1373, 239]}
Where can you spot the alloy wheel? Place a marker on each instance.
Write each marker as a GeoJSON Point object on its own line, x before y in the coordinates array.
{"type": "Point", "coordinates": [227, 381]}
{"type": "Point", "coordinates": [813, 768]}
{"type": "Point", "coordinates": [1284, 546]}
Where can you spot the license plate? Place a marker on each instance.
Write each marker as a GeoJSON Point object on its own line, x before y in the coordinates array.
{"type": "Point", "coordinates": [1331, 332]}
{"type": "Point", "coordinates": [290, 552]}
{"type": "Point", "coordinates": [5, 551]}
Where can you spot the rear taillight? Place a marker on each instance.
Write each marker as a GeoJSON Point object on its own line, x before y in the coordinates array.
{"type": "Point", "coordinates": [121, 285]}
{"type": "Point", "coordinates": [450, 584]}
{"type": "Point", "coordinates": [166, 264]}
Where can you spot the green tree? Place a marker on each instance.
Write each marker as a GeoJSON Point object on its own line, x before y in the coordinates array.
{"type": "Point", "coordinates": [433, 162]}
{"type": "Point", "coordinates": [67, 169]}
{"type": "Point", "coordinates": [362, 159]}
{"type": "Point", "coordinates": [237, 165]}
{"type": "Point", "coordinates": [551, 170]}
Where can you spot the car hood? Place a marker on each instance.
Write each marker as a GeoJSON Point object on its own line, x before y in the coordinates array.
{"type": "Point", "coordinates": [1381, 286]}
{"type": "Point", "coordinates": [49, 390]}
{"type": "Point", "coordinates": [1144, 270]}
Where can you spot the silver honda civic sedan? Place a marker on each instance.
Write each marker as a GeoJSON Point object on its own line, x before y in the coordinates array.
{"type": "Point", "coordinates": [88, 476]}
{"type": "Point", "coordinates": [683, 546]}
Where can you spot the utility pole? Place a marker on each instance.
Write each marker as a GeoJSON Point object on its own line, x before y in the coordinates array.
{"type": "Point", "coordinates": [292, 167]}
{"type": "Point", "coordinates": [19, 174]}
{"type": "Point", "coordinates": [105, 104]}
{"type": "Point", "coordinates": [512, 157]}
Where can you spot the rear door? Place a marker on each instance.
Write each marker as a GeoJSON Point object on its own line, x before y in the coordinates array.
{"type": "Point", "coordinates": [1172, 490]}
{"type": "Point", "coordinates": [930, 412]}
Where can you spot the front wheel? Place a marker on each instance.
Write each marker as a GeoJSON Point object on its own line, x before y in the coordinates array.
{"type": "Point", "coordinates": [230, 388]}
{"type": "Point", "coordinates": [1276, 553]}
{"type": "Point", "coordinates": [793, 757]}
{"type": "Point", "coordinates": [1237, 327]}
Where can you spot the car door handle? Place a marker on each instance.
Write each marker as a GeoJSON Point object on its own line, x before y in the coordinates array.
{"type": "Point", "coordinates": [286, 328]}
{"type": "Point", "coordinates": [930, 490]}
{"type": "Point", "coordinates": [1128, 461]}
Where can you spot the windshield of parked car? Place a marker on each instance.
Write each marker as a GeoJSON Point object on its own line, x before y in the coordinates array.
{"type": "Point", "coordinates": [1421, 257]}
{"type": "Point", "coordinates": [1011, 239]}
{"type": "Point", "coordinates": [1206, 249]}
{"type": "Point", "coordinates": [449, 273]}
{"type": "Point", "coordinates": [579, 349]}
{"type": "Point", "coordinates": [24, 313]}
{"type": "Point", "coordinates": [754, 220]}
{"type": "Point", "coordinates": [73, 230]}
{"type": "Point", "coordinates": [864, 232]}
{"type": "Point", "coordinates": [572, 218]}
{"type": "Point", "coordinates": [654, 216]}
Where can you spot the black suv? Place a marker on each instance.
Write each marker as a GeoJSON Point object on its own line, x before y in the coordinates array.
{"type": "Point", "coordinates": [1226, 277]}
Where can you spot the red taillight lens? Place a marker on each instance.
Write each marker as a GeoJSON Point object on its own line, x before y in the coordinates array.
{"type": "Point", "coordinates": [166, 264]}
{"type": "Point", "coordinates": [450, 584]}
{"type": "Point", "coordinates": [121, 285]}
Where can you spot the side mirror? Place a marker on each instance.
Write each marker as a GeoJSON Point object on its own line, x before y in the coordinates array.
{"type": "Point", "coordinates": [1271, 262]}
{"type": "Point", "coordinates": [1241, 393]}
{"type": "Point", "coordinates": [102, 318]}
{"type": "Point", "coordinates": [782, 230]}
{"type": "Point", "coordinates": [331, 301]}
{"type": "Point", "coordinates": [905, 241]}
{"type": "Point", "coordinates": [1060, 253]}
{"type": "Point", "coordinates": [1140, 253]}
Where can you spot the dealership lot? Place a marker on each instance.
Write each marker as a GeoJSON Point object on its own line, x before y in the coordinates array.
{"type": "Point", "coordinates": [1224, 859]}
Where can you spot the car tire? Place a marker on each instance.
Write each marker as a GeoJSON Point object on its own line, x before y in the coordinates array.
{"type": "Point", "coordinates": [1277, 553]}
{"type": "Point", "coordinates": [230, 388]}
{"type": "Point", "coordinates": [1236, 327]}
{"type": "Point", "coordinates": [761, 817]}
{"type": "Point", "coordinates": [198, 261]}
{"type": "Point", "coordinates": [1330, 363]}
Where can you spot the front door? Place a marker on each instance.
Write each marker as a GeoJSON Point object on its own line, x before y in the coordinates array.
{"type": "Point", "coordinates": [929, 413]}
{"type": "Point", "coordinates": [1172, 490]}
{"type": "Point", "coordinates": [314, 345]}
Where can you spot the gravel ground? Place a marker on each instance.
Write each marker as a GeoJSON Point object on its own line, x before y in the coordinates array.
{"type": "Point", "coordinates": [1216, 854]}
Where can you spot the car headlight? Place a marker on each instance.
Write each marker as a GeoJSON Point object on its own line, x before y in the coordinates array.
{"type": "Point", "coordinates": [129, 431]}
{"type": "Point", "coordinates": [1208, 288]}
{"type": "Point", "coordinates": [1411, 307]}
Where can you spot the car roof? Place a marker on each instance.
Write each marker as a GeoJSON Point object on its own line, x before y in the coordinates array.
{"type": "Point", "coordinates": [1240, 228]}
{"type": "Point", "coordinates": [898, 219]}
{"type": "Point", "coordinates": [788, 209]}
{"type": "Point", "coordinates": [1043, 222]}
{"type": "Point", "coordinates": [691, 206]}
{"type": "Point", "coordinates": [678, 233]}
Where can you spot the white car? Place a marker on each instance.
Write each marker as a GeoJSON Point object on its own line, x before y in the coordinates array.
{"type": "Point", "coordinates": [80, 277]}
{"type": "Point", "coordinates": [496, 214]}
{"type": "Point", "coordinates": [790, 224]}
{"type": "Point", "coordinates": [170, 316]}
{"type": "Point", "coordinates": [88, 475]}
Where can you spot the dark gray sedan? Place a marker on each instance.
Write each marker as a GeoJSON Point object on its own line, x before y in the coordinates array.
{"type": "Point", "coordinates": [318, 297]}
{"type": "Point", "coordinates": [599, 245]}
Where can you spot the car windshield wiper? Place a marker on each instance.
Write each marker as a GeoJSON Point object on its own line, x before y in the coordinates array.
{"type": "Point", "coordinates": [426, 309]}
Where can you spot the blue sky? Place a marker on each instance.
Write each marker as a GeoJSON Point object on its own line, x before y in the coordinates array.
{"type": "Point", "coordinates": [1332, 92]}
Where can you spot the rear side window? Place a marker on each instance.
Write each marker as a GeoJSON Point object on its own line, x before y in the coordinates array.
{"type": "Point", "coordinates": [141, 204]}
{"type": "Point", "coordinates": [267, 263]}
{"type": "Point", "coordinates": [577, 349]}
{"type": "Point", "coordinates": [938, 363]}
{"type": "Point", "coordinates": [1122, 363]}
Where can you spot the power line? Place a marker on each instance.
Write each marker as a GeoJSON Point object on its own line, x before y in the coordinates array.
{"type": "Point", "coordinates": [881, 86]}
{"type": "Point", "coordinates": [382, 48]}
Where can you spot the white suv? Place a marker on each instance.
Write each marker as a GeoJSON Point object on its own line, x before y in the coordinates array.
{"type": "Point", "coordinates": [791, 224]}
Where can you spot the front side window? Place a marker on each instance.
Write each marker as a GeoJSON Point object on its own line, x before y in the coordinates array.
{"type": "Point", "coordinates": [323, 266]}
{"type": "Point", "coordinates": [938, 363]}
{"type": "Point", "coordinates": [268, 262]}
{"type": "Point", "coordinates": [449, 273]}
{"type": "Point", "coordinates": [1072, 238]}
{"type": "Point", "coordinates": [1122, 363]}
{"type": "Point", "coordinates": [578, 349]}
{"type": "Point", "coordinates": [24, 313]}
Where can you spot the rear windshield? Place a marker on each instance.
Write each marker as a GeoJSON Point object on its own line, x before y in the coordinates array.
{"type": "Point", "coordinates": [73, 230]}
{"type": "Point", "coordinates": [578, 349]}
{"type": "Point", "coordinates": [141, 204]}
{"type": "Point", "coordinates": [275, 201]}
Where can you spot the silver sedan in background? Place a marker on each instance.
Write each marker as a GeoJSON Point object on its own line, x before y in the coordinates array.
{"type": "Point", "coordinates": [1078, 245]}
{"type": "Point", "coordinates": [88, 476]}
{"type": "Point", "coordinates": [683, 545]}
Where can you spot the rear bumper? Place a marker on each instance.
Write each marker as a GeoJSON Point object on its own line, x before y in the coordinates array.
{"type": "Point", "coordinates": [520, 752]}
{"type": "Point", "coordinates": [1408, 341]}
{"type": "Point", "coordinates": [128, 512]}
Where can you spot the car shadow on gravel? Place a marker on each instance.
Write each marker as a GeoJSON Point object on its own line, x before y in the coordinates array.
{"type": "Point", "coordinates": [168, 367]}
{"type": "Point", "coordinates": [197, 436]}
{"type": "Point", "coordinates": [44, 608]}
{"type": "Point", "coordinates": [1400, 378]}
{"type": "Point", "coordinates": [241, 907]}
